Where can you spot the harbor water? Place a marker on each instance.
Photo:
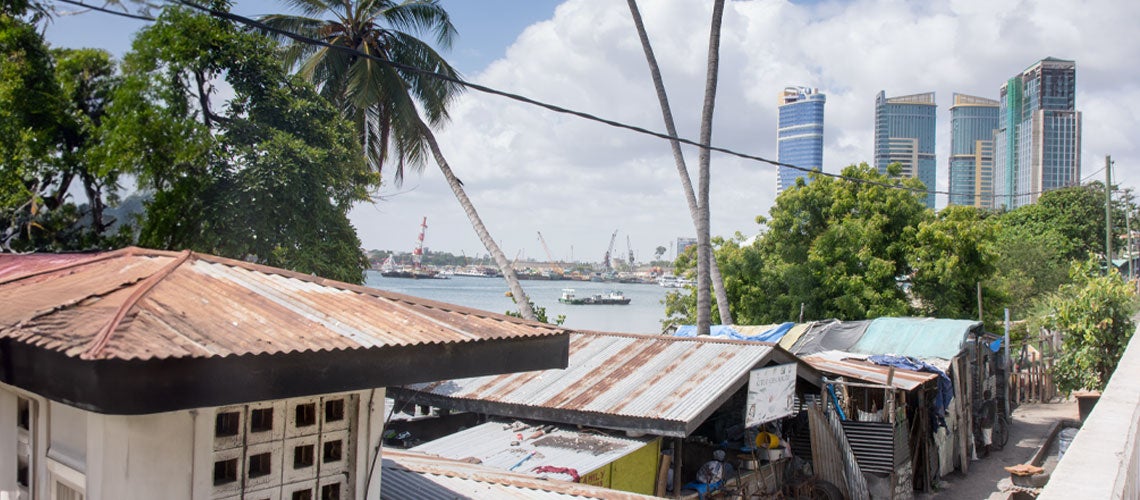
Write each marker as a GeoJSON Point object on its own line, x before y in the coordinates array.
{"type": "Point", "coordinates": [642, 315]}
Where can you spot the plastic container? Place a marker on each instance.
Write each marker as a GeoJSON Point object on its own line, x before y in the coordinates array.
{"type": "Point", "coordinates": [1064, 439]}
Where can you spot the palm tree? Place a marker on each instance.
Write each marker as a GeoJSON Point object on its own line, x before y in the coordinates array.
{"type": "Point", "coordinates": [704, 246]}
{"type": "Point", "coordinates": [382, 99]}
{"type": "Point", "coordinates": [679, 159]}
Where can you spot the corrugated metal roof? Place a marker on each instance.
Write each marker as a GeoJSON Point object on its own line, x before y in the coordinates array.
{"type": "Point", "coordinates": [675, 382]}
{"type": "Point", "coordinates": [410, 475]}
{"type": "Point", "coordinates": [582, 451]}
{"type": "Point", "coordinates": [916, 337]}
{"type": "Point", "coordinates": [861, 370]}
{"type": "Point", "coordinates": [147, 304]}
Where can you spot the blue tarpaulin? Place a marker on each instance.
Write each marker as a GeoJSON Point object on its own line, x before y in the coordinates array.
{"type": "Point", "coordinates": [727, 332]}
{"type": "Point", "coordinates": [945, 386]}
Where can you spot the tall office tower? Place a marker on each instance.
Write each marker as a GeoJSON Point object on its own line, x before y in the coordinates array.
{"type": "Point", "coordinates": [904, 134]}
{"type": "Point", "coordinates": [972, 124]}
{"type": "Point", "coordinates": [799, 134]}
{"type": "Point", "coordinates": [1037, 146]}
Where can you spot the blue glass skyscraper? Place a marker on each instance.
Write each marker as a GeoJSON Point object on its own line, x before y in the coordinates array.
{"type": "Point", "coordinates": [972, 124]}
{"type": "Point", "coordinates": [904, 134]}
{"type": "Point", "coordinates": [799, 134]}
{"type": "Point", "coordinates": [1037, 146]}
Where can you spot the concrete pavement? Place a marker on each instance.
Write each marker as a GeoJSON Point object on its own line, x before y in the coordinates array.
{"type": "Point", "coordinates": [1031, 425]}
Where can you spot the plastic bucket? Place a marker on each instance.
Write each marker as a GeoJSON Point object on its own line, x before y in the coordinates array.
{"type": "Point", "coordinates": [767, 440]}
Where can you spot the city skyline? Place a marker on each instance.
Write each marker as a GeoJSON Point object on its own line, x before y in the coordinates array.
{"type": "Point", "coordinates": [527, 169]}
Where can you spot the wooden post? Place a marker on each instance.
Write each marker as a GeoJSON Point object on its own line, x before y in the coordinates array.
{"type": "Point", "coordinates": [677, 470]}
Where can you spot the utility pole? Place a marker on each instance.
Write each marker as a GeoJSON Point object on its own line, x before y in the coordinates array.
{"type": "Point", "coordinates": [1107, 214]}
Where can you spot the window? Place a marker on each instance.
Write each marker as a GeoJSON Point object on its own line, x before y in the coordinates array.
{"type": "Point", "coordinates": [306, 414]}
{"type": "Point", "coordinates": [334, 410]}
{"type": "Point", "coordinates": [226, 424]}
{"type": "Point", "coordinates": [66, 492]}
{"type": "Point", "coordinates": [23, 413]}
{"type": "Point", "coordinates": [330, 492]}
{"type": "Point", "coordinates": [66, 483]}
{"type": "Point", "coordinates": [259, 465]}
{"type": "Point", "coordinates": [333, 451]}
{"type": "Point", "coordinates": [225, 471]}
{"type": "Point", "coordinates": [303, 456]}
{"type": "Point", "coordinates": [302, 495]}
{"type": "Point", "coordinates": [261, 420]}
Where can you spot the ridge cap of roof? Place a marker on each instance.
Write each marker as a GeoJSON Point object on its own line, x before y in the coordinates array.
{"type": "Point", "coordinates": [104, 336]}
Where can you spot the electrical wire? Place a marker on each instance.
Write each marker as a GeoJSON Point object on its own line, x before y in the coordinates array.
{"type": "Point", "coordinates": [542, 104]}
{"type": "Point", "coordinates": [109, 11]}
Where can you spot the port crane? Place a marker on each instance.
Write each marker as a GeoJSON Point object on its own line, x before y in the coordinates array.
{"type": "Point", "coordinates": [553, 264]}
{"type": "Point", "coordinates": [418, 253]}
{"type": "Point", "coordinates": [629, 246]}
{"type": "Point", "coordinates": [606, 264]}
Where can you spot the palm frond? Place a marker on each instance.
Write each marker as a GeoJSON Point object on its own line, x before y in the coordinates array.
{"type": "Point", "coordinates": [426, 16]}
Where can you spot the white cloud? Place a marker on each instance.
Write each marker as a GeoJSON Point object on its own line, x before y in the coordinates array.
{"type": "Point", "coordinates": [527, 169]}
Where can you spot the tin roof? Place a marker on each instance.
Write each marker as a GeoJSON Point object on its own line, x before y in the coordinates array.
{"type": "Point", "coordinates": [644, 383]}
{"type": "Point", "coordinates": [497, 445]}
{"type": "Point", "coordinates": [408, 475]}
{"type": "Point", "coordinates": [868, 372]}
{"type": "Point", "coordinates": [138, 331]}
{"type": "Point", "coordinates": [921, 338]}
{"type": "Point", "coordinates": [142, 304]}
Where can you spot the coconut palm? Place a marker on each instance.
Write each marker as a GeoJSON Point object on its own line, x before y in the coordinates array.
{"type": "Point", "coordinates": [686, 183]}
{"type": "Point", "coordinates": [386, 101]}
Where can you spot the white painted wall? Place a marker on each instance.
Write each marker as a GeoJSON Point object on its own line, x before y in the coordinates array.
{"type": "Point", "coordinates": [164, 455]}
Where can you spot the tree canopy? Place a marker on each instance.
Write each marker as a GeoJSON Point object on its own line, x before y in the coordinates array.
{"type": "Point", "coordinates": [269, 175]}
{"type": "Point", "coordinates": [1093, 312]}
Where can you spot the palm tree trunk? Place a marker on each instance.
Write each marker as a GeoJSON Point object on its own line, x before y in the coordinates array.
{"type": "Point", "coordinates": [704, 246]}
{"type": "Point", "coordinates": [521, 299]}
{"type": "Point", "coordinates": [678, 157]}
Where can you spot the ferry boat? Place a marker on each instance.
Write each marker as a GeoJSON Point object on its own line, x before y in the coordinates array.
{"type": "Point", "coordinates": [606, 298]}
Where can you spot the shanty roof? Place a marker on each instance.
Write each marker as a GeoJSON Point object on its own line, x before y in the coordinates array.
{"type": "Point", "coordinates": [409, 475]}
{"type": "Point", "coordinates": [916, 337]}
{"type": "Point", "coordinates": [136, 307]}
{"type": "Point", "coordinates": [642, 383]}
{"type": "Point", "coordinates": [842, 364]}
{"type": "Point", "coordinates": [496, 444]}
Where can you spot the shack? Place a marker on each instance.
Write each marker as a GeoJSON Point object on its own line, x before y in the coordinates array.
{"type": "Point", "coordinates": [689, 393]}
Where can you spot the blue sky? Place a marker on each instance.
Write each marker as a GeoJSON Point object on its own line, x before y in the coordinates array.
{"type": "Point", "coordinates": [529, 170]}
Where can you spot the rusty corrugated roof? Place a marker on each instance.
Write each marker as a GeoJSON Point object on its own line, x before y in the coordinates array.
{"type": "Point", "coordinates": [649, 383]}
{"type": "Point", "coordinates": [411, 475]}
{"type": "Point", "coordinates": [147, 304]}
{"type": "Point", "coordinates": [861, 370]}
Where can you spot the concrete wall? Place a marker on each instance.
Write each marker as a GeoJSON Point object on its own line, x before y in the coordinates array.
{"type": "Point", "coordinates": [1104, 459]}
{"type": "Point", "coordinates": [165, 455]}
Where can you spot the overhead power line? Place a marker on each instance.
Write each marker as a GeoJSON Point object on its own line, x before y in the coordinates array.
{"type": "Point", "coordinates": [109, 11]}
{"type": "Point", "coordinates": [534, 102]}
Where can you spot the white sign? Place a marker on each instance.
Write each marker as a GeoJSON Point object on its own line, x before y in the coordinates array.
{"type": "Point", "coordinates": [770, 393]}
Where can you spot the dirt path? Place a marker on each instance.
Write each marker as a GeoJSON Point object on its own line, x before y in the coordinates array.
{"type": "Point", "coordinates": [1031, 424]}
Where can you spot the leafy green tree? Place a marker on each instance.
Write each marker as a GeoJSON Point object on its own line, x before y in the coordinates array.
{"type": "Point", "coordinates": [31, 106]}
{"type": "Point", "coordinates": [385, 101]}
{"type": "Point", "coordinates": [1075, 213]}
{"type": "Point", "coordinates": [1093, 313]}
{"type": "Point", "coordinates": [953, 252]}
{"type": "Point", "coordinates": [269, 177]}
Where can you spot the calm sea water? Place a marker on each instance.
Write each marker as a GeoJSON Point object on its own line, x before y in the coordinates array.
{"type": "Point", "coordinates": [642, 315]}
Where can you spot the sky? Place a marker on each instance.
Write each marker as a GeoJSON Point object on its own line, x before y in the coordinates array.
{"type": "Point", "coordinates": [529, 170]}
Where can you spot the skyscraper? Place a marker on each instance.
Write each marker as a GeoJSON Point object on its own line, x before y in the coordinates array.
{"type": "Point", "coordinates": [904, 134]}
{"type": "Point", "coordinates": [799, 133]}
{"type": "Point", "coordinates": [972, 124]}
{"type": "Point", "coordinates": [1037, 146]}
